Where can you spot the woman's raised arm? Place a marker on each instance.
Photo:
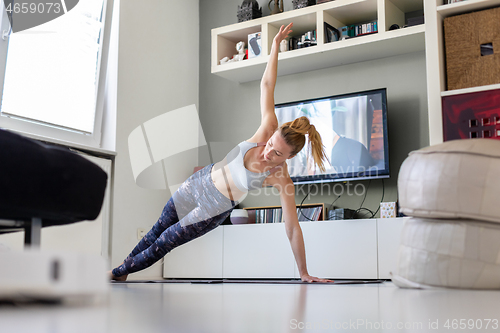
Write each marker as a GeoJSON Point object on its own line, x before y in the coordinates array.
{"type": "Point", "coordinates": [269, 122]}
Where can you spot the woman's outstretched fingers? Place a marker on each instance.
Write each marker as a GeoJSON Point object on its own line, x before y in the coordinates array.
{"type": "Point", "coordinates": [287, 30]}
{"type": "Point", "coordinates": [284, 32]}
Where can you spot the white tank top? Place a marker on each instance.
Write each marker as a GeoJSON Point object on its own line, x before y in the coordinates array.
{"type": "Point", "coordinates": [244, 179]}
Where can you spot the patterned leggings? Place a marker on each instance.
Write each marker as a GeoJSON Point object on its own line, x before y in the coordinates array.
{"type": "Point", "coordinates": [195, 208]}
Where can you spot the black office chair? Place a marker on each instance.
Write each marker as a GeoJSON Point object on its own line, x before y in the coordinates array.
{"type": "Point", "coordinates": [43, 185]}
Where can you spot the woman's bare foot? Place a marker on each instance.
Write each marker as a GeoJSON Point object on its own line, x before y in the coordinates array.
{"type": "Point", "coordinates": [117, 278]}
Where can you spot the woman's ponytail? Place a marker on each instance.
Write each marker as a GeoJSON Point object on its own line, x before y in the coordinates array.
{"type": "Point", "coordinates": [317, 148]}
{"type": "Point", "coordinates": [294, 134]}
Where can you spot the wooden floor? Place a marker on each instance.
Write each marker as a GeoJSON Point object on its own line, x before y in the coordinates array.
{"type": "Point", "coordinates": [253, 308]}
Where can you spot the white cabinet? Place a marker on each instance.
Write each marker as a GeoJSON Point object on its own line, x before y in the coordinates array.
{"type": "Point", "coordinates": [341, 249]}
{"type": "Point", "coordinates": [257, 251]}
{"type": "Point", "coordinates": [199, 258]}
{"type": "Point", "coordinates": [348, 249]}
{"type": "Point", "coordinates": [388, 239]}
{"type": "Point", "coordinates": [337, 13]}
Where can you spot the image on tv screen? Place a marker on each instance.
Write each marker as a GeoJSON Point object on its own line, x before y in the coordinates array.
{"type": "Point", "coordinates": [354, 132]}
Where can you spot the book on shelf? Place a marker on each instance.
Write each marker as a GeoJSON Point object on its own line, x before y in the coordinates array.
{"type": "Point", "coordinates": [266, 215]}
{"type": "Point", "coordinates": [356, 30]}
{"type": "Point", "coordinates": [309, 214]}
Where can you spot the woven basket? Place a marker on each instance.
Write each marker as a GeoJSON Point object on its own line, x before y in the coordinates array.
{"type": "Point", "coordinates": [464, 35]}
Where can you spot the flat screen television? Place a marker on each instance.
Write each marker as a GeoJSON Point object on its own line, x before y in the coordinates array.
{"type": "Point", "coordinates": [353, 128]}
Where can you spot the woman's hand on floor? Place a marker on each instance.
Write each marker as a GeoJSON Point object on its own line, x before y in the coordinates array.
{"type": "Point", "coordinates": [309, 278]}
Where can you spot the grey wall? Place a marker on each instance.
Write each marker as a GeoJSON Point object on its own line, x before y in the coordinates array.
{"type": "Point", "coordinates": [230, 111]}
{"type": "Point", "coordinates": [164, 64]}
{"type": "Point", "coordinates": [157, 72]}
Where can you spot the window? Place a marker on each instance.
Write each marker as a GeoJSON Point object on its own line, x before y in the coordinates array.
{"type": "Point", "coordinates": [52, 82]}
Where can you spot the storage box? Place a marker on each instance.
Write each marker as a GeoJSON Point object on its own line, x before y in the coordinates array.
{"type": "Point", "coordinates": [387, 210]}
{"type": "Point", "coordinates": [465, 37]}
{"type": "Point", "coordinates": [254, 45]}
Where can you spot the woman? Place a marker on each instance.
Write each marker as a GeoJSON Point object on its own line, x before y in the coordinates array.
{"type": "Point", "coordinates": [207, 198]}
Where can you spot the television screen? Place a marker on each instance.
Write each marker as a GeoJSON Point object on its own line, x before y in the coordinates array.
{"type": "Point", "coordinates": [353, 128]}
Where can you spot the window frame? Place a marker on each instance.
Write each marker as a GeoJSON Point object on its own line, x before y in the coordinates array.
{"type": "Point", "coordinates": [56, 134]}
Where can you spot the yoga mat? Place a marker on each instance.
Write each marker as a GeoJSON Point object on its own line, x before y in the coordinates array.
{"type": "Point", "coordinates": [253, 281]}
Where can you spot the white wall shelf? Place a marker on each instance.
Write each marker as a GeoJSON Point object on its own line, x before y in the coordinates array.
{"type": "Point", "coordinates": [466, 7]}
{"type": "Point", "coordinates": [435, 12]}
{"type": "Point", "coordinates": [337, 13]}
{"type": "Point", "coordinates": [470, 90]}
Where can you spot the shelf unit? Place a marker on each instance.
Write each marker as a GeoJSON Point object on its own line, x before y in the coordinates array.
{"type": "Point", "coordinates": [252, 218]}
{"type": "Point", "coordinates": [435, 12]}
{"type": "Point", "coordinates": [337, 13]}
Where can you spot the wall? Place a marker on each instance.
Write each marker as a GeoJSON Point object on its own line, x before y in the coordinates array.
{"type": "Point", "coordinates": [230, 111]}
{"type": "Point", "coordinates": [157, 72]}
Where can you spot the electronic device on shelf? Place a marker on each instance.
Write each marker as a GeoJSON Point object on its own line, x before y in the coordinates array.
{"type": "Point", "coordinates": [353, 128]}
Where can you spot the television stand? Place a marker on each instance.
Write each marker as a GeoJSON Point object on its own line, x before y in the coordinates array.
{"type": "Point", "coordinates": [343, 249]}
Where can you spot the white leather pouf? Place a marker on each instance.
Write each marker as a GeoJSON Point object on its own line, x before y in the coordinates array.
{"type": "Point", "coordinates": [455, 179]}
{"type": "Point", "coordinates": [448, 253]}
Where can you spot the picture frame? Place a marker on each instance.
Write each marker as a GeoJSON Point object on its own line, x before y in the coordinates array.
{"type": "Point", "coordinates": [331, 34]}
{"type": "Point", "coordinates": [473, 115]}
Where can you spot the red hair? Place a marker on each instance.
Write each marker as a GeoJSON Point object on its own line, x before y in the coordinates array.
{"type": "Point", "coordinates": [294, 133]}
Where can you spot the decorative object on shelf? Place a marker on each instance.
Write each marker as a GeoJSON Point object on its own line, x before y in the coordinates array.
{"type": "Point", "coordinates": [470, 116]}
{"type": "Point", "coordinates": [388, 210]}
{"type": "Point", "coordinates": [297, 4]}
{"type": "Point", "coordinates": [239, 216]}
{"type": "Point", "coordinates": [277, 7]}
{"type": "Point", "coordinates": [240, 47]}
{"type": "Point", "coordinates": [249, 10]}
{"type": "Point", "coordinates": [323, 1]}
{"type": "Point", "coordinates": [254, 45]}
{"type": "Point", "coordinates": [284, 45]}
{"type": "Point", "coordinates": [465, 66]}
{"type": "Point", "coordinates": [306, 40]}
